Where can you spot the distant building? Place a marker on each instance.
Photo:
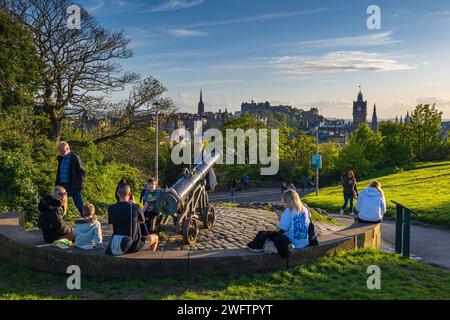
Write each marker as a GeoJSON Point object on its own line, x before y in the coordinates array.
{"type": "Point", "coordinates": [359, 111]}
{"type": "Point", "coordinates": [374, 123]}
{"type": "Point", "coordinates": [201, 105]}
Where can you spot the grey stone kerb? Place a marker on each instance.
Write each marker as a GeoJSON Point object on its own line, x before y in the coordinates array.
{"type": "Point", "coordinates": [27, 249]}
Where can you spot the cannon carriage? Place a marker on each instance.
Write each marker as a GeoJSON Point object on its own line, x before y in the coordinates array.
{"type": "Point", "coordinates": [187, 203]}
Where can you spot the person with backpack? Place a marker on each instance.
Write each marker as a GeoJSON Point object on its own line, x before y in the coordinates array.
{"type": "Point", "coordinates": [126, 218]}
{"type": "Point", "coordinates": [350, 192]}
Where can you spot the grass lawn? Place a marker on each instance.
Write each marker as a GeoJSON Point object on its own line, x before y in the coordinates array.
{"type": "Point", "coordinates": [340, 276]}
{"type": "Point", "coordinates": [424, 188]}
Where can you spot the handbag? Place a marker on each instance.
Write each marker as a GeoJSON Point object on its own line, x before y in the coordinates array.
{"type": "Point", "coordinates": [121, 244]}
{"type": "Point", "coordinates": [312, 236]}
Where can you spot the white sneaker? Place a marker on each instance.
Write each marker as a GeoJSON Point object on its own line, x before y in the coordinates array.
{"type": "Point", "coordinates": [255, 250]}
{"type": "Point", "coordinates": [341, 212]}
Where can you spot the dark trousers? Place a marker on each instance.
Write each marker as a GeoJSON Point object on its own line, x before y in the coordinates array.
{"type": "Point", "coordinates": [76, 197]}
{"type": "Point", "coordinates": [348, 198]}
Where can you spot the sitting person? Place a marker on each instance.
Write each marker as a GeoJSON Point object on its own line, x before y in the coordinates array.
{"type": "Point", "coordinates": [88, 230]}
{"type": "Point", "coordinates": [295, 220]}
{"type": "Point", "coordinates": [126, 218]}
{"type": "Point", "coordinates": [151, 193]}
{"type": "Point", "coordinates": [371, 204]}
{"type": "Point", "coordinates": [51, 220]}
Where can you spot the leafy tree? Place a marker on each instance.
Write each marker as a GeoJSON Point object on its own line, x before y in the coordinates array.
{"type": "Point", "coordinates": [81, 68]}
{"type": "Point", "coordinates": [19, 65]}
{"type": "Point", "coordinates": [396, 143]}
{"type": "Point", "coordinates": [426, 126]}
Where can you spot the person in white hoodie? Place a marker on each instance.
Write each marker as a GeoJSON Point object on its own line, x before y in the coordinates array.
{"type": "Point", "coordinates": [88, 230]}
{"type": "Point", "coordinates": [371, 204]}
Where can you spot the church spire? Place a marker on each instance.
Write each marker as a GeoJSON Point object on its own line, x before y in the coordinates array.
{"type": "Point", "coordinates": [374, 123]}
{"type": "Point", "coordinates": [201, 105]}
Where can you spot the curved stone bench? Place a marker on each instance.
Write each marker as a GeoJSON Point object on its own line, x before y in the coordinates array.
{"type": "Point", "coordinates": [28, 249]}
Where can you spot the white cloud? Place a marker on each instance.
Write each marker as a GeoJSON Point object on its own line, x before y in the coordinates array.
{"type": "Point", "coordinates": [356, 41]}
{"type": "Point", "coordinates": [95, 7]}
{"type": "Point", "coordinates": [176, 5]}
{"type": "Point", "coordinates": [337, 62]}
{"type": "Point", "coordinates": [442, 104]}
{"type": "Point", "coordinates": [185, 33]}
{"type": "Point", "coordinates": [255, 18]}
{"type": "Point", "coordinates": [208, 83]}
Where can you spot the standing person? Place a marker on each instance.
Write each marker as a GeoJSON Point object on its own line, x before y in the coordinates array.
{"type": "Point", "coordinates": [70, 174]}
{"type": "Point", "coordinates": [350, 192]}
{"type": "Point", "coordinates": [294, 222]}
{"type": "Point", "coordinates": [51, 220]}
{"type": "Point", "coordinates": [245, 181]}
{"type": "Point", "coordinates": [126, 218]}
{"type": "Point", "coordinates": [284, 187]}
{"type": "Point", "coordinates": [371, 204]}
{"type": "Point", "coordinates": [292, 187]}
{"type": "Point", "coordinates": [233, 187]}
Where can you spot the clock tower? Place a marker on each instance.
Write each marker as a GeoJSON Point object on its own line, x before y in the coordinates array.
{"type": "Point", "coordinates": [359, 111]}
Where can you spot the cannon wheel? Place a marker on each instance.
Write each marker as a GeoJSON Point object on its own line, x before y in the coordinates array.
{"type": "Point", "coordinates": [190, 231]}
{"type": "Point", "coordinates": [209, 217]}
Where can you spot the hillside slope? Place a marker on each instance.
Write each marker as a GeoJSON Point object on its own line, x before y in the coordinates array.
{"type": "Point", "coordinates": [424, 188]}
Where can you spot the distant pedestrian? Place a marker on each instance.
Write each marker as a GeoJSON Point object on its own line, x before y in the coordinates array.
{"type": "Point", "coordinates": [284, 187]}
{"type": "Point", "coordinates": [292, 187]}
{"type": "Point", "coordinates": [350, 191]}
{"type": "Point", "coordinates": [371, 204]}
{"type": "Point", "coordinates": [233, 187]}
{"type": "Point", "coordinates": [70, 174]}
{"type": "Point", "coordinates": [245, 182]}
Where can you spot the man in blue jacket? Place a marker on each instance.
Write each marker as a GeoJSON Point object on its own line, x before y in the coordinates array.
{"type": "Point", "coordinates": [70, 174]}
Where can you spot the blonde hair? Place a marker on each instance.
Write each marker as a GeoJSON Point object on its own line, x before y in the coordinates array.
{"type": "Point", "coordinates": [56, 192]}
{"type": "Point", "coordinates": [376, 185]}
{"type": "Point", "coordinates": [292, 200]}
{"type": "Point", "coordinates": [88, 210]}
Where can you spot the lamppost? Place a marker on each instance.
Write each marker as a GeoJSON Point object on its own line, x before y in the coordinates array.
{"type": "Point", "coordinates": [157, 105]}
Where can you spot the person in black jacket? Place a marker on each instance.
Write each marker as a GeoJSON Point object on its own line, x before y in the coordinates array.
{"type": "Point", "coordinates": [70, 174]}
{"type": "Point", "coordinates": [350, 191]}
{"type": "Point", "coordinates": [51, 220]}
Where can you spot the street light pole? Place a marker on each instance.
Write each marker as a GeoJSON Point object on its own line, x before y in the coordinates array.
{"type": "Point", "coordinates": [317, 167]}
{"type": "Point", "coordinates": [156, 104]}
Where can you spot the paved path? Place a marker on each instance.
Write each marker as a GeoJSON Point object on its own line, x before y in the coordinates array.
{"type": "Point", "coordinates": [258, 195]}
{"type": "Point", "coordinates": [430, 244]}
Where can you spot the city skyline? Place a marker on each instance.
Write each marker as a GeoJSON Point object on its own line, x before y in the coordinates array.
{"type": "Point", "coordinates": [295, 53]}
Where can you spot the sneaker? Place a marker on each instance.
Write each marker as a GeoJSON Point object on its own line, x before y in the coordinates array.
{"type": "Point", "coordinates": [255, 250]}
{"type": "Point", "coordinates": [341, 212]}
{"type": "Point", "coordinates": [352, 214]}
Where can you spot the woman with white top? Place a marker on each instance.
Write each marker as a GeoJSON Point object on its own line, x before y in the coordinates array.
{"type": "Point", "coordinates": [371, 204]}
{"type": "Point", "coordinates": [295, 220]}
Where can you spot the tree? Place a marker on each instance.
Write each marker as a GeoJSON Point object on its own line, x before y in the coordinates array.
{"type": "Point", "coordinates": [363, 152]}
{"type": "Point", "coordinates": [19, 65]}
{"type": "Point", "coordinates": [80, 66]}
{"type": "Point", "coordinates": [426, 126]}
{"type": "Point", "coordinates": [396, 143]}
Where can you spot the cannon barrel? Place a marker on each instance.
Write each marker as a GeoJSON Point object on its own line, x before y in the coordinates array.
{"type": "Point", "coordinates": [174, 198]}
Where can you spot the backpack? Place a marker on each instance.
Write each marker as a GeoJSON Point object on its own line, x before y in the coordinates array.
{"type": "Point", "coordinates": [312, 236]}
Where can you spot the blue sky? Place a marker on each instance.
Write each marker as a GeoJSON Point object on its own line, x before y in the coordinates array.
{"type": "Point", "coordinates": [296, 52]}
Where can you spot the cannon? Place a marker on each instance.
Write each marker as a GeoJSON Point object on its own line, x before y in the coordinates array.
{"type": "Point", "coordinates": [187, 203]}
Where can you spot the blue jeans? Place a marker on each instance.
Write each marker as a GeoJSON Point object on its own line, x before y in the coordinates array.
{"type": "Point", "coordinates": [78, 201]}
{"type": "Point", "coordinates": [347, 198]}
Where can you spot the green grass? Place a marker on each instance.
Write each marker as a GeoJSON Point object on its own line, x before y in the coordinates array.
{"type": "Point", "coordinates": [340, 276]}
{"type": "Point", "coordinates": [424, 188]}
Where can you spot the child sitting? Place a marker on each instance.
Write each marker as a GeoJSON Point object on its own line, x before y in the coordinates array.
{"type": "Point", "coordinates": [151, 193]}
{"type": "Point", "coordinates": [88, 230]}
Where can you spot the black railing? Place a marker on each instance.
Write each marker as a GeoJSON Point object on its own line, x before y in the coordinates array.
{"type": "Point", "coordinates": [403, 230]}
